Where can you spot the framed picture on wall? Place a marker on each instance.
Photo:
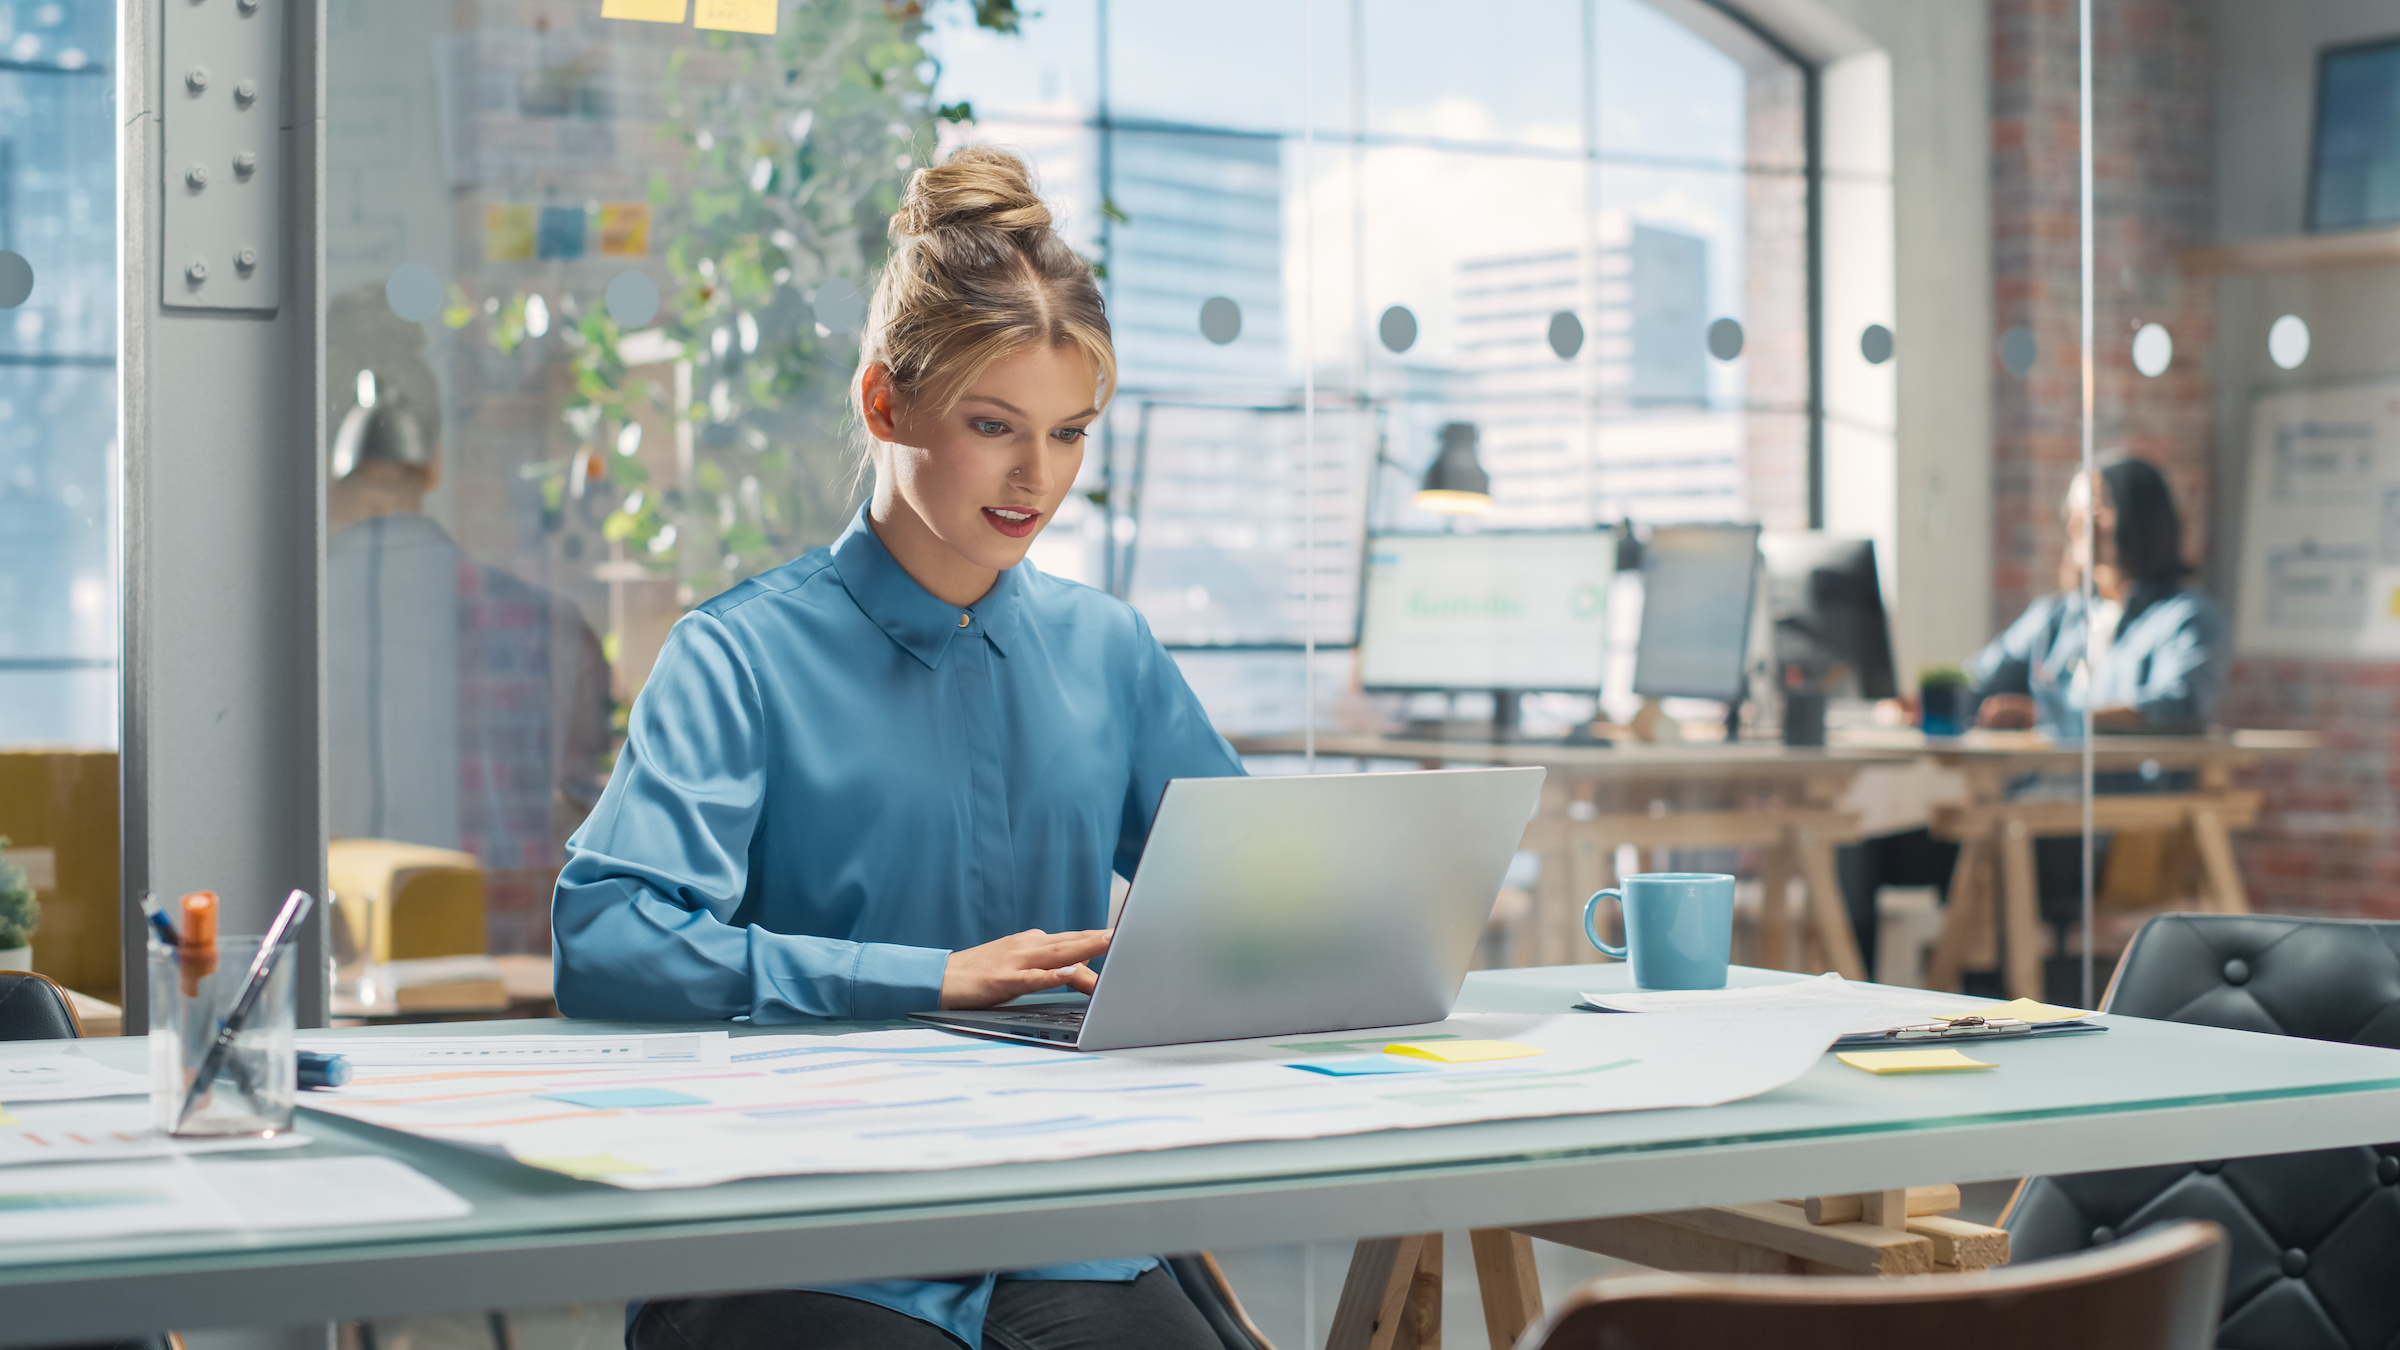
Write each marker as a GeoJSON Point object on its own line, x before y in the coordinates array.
{"type": "Point", "coordinates": [2354, 166]}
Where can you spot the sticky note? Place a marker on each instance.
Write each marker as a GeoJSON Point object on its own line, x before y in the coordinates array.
{"type": "Point", "coordinates": [738, 16]}
{"type": "Point", "coordinates": [507, 233]}
{"type": "Point", "coordinates": [1461, 1052]}
{"type": "Point", "coordinates": [648, 11]}
{"type": "Point", "coordinates": [1365, 1064]}
{"type": "Point", "coordinates": [560, 234]}
{"type": "Point", "coordinates": [625, 229]}
{"type": "Point", "coordinates": [2025, 1010]}
{"type": "Point", "coordinates": [7, 1119]}
{"type": "Point", "coordinates": [604, 1099]}
{"type": "Point", "coordinates": [589, 1165]}
{"type": "Point", "coordinates": [1910, 1061]}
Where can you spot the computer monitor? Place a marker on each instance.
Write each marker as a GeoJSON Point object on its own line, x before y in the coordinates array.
{"type": "Point", "coordinates": [1827, 604]}
{"type": "Point", "coordinates": [1511, 612]}
{"type": "Point", "coordinates": [1698, 584]}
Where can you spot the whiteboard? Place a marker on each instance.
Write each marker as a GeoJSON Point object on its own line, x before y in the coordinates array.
{"type": "Point", "coordinates": [2320, 566]}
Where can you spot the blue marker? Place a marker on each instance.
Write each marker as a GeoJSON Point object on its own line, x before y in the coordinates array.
{"type": "Point", "coordinates": [160, 925]}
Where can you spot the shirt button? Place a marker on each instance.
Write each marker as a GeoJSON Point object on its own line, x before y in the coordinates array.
{"type": "Point", "coordinates": [962, 620]}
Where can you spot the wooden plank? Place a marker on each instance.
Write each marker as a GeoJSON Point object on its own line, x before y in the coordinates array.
{"type": "Point", "coordinates": [1856, 1247]}
{"type": "Point", "coordinates": [1511, 1287]}
{"type": "Point", "coordinates": [1775, 907]}
{"type": "Point", "coordinates": [1966, 915]}
{"type": "Point", "coordinates": [1962, 1245]}
{"type": "Point", "coordinates": [2110, 813]}
{"type": "Point", "coordinates": [1646, 1240]}
{"type": "Point", "coordinates": [2020, 914]}
{"type": "Point", "coordinates": [1825, 904]}
{"type": "Point", "coordinates": [1882, 1209]}
{"type": "Point", "coordinates": [1382, 1273]}
{"type": "Point", "coordinates": [1922, 1201]}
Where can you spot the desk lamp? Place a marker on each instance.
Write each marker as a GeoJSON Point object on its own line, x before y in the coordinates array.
{"type": "Point", "coordinates": [1456, 485]}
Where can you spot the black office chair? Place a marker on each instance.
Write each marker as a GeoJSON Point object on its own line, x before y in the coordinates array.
{"type": "Point", "coordinates": [34, 1008]}
{"type": "Point", "coordinates": [2315, 1236]}
{"type": "Point", "coordinates": [1206, 1286]}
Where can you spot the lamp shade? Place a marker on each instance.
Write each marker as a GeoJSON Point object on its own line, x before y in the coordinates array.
{"type": "Point", "coordinates": [1456, 485]}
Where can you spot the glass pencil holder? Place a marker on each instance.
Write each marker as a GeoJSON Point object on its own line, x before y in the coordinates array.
{"type": "Point", "coordinates": [254, 1084]}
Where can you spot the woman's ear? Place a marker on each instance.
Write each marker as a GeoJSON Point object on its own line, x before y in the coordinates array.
{"type": "Point", "coordinates": [877, 402]}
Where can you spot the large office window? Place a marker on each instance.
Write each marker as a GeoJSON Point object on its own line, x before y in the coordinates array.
{"type": "Point", "coordinates": [1575, 225]}
{"type": "Point", "coordinates": [58, 500]}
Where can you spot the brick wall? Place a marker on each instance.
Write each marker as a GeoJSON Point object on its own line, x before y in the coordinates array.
{"type": "Point", "coordinates": [2151, 168]}
{"type": "Point", "coordinates": [2329, 841]}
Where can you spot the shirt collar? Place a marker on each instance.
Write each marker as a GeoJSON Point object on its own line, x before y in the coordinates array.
{"type": "Point", "coordinates": [908, 613]}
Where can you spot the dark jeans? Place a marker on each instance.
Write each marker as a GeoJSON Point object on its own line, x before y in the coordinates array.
{"type": "Point", "coordinates": [1026, 1315]}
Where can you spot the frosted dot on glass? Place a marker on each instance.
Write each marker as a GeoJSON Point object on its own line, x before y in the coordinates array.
{"type": "Point", "coordinates": [2287, 341]}
{"type": "Point", "coordinates": [2153, 349]}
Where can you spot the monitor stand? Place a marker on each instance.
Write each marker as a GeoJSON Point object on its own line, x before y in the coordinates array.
{"type": "Point", "coordinates": [1505, 724]}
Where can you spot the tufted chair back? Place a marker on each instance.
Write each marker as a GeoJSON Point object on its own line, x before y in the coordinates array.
{"type": "Point", "coordinates": [2315, 1262]}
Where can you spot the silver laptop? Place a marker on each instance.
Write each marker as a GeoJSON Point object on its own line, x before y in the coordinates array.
{"type": "Point", "coordinates": [1291, 905]}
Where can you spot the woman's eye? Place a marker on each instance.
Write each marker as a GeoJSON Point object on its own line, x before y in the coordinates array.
{"type": "Point", "coordinates": [988, 427]}
{"type": "Point", "coordinates": [1072, 434]}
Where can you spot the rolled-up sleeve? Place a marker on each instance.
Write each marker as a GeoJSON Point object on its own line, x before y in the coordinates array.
{"type": "Point", "coordinates": [2006, 663]}
{"type": "Point", "coordinates": [2183, 674]}
{"type": "Point", "coordinates": [642, 916]}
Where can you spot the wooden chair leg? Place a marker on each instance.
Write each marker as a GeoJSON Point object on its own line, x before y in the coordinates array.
{"type": "Point", "coordinates": [2225, 892]}
{"type": "Point", "coordinates": [1392, 1298]}
{"type": "Point", "coordinates": [2021, 913]}
{"type": "Point", "coordinates": [1966, 915]}
{"type": "Point", "coordinates": [1826, 906]}
{"type": "Point", "coordinates": [1775, 907]}
{"type": "Point", "coordinates": [1511, 1287]}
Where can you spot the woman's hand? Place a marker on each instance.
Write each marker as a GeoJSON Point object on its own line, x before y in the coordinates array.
{"type": "Point", "coordinates": [2006, 712]}
{"type": "Point", "coordinates": [1027, 962]}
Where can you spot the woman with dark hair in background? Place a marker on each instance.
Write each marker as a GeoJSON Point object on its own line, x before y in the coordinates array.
{"type": "Point", "coordinates": [2157, 648]}
{"type": "Point", "coordinates": [2158, 652]}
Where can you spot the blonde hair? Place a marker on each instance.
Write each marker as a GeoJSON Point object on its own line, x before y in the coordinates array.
{"type": "Point", "coordinates": [977, 273]}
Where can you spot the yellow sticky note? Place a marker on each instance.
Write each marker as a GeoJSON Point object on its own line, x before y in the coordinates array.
{"type": "Point", "coordinates": [7, 1119]}
{"type": "Point", "coordinates": [1460, 1052]}
{"type": "Point", "coordinates": [507, 233]}
{"type": "Point", "coordinates": [1910, 1061]}
{"type": "Point", "coordinates": [625, 229]}
{"type": "Point", "coordinates": [589, 1165]}
{"type": "Point", "coordinates": [738, 16]}
{"type": "Point", "coordinates": [648, 11]}
{"type": "Point", "coordinates": [2024, 1010]}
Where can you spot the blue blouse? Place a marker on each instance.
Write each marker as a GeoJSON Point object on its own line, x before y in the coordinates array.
{"type": "Point", "coordinates": [833, 780]}
{"type": "Point", "coordinates": [2167, 662]}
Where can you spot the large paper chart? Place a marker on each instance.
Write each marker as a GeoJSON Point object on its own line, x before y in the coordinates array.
{"type": "Point", "coordinates": [910, 1100]}
{"type": "Point", "coordinates": [2320, 566]}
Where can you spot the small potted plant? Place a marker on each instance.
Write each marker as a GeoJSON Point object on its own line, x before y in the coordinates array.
{"type": "Point", "coordinates": [1944, 699]}
{"type": "Point", "coordinates": [20, 914]}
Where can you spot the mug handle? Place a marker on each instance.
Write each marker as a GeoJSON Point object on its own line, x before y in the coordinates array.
{"type": "Point", "coordinates": [1591, 911]}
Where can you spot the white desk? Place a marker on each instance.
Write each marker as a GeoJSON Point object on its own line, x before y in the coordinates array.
{"type": "Point", "coordinates": [2146, 1092]}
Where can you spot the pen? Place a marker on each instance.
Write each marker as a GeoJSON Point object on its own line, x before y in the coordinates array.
{"type": "Point", "coordinates": [199, 946]}
{"type": "Point", "coordinates": [160, 924]}
{"type": "Point", "coordinates": [295, 908]}
{"type": "Point", "coordinates": [321, 1070]}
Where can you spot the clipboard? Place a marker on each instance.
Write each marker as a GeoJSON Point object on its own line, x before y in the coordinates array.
{"type": "Point", "coordinates": [1955, 1030]}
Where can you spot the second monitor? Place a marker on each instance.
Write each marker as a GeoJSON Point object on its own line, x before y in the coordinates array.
{"type": "Point", "coordinates": [1507, 612]}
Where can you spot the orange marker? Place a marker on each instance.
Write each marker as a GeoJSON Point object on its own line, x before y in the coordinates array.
{"type": "Point", "coordinates": [198, 955]}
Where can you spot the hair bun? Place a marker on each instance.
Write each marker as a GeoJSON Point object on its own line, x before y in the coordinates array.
{"type": "Point", "coordinates": [978, 185]}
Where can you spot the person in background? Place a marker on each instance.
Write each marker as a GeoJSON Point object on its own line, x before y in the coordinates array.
{"type": "Point", "coordinates": [2157, 647]}
{"type": "Point", "coordinates": [466, 708]}
{"type": "Point", "coordinates": [895, 774]}
{"type": "Point", "coordinates": [2159, 657]}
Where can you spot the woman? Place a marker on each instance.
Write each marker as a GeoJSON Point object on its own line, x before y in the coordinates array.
{"type": "Point", "coordinates": [2157, 648]}
{"type": "Point", "coordinates": [895, 774]}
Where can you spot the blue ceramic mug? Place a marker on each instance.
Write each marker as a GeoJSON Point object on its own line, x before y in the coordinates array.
{"type": "Point", "coordinates": [1678, 928]}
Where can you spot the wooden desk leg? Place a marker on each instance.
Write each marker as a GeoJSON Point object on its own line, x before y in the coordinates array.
{"type": "Point", "coordinates": [1511, 1287]}
{"type": "Point", "coordinates": [1826, 906]}
{"type": "Point", "coordinates": [1591, 865]}
{"type": "Point", "coordinates": [2021, 912]}
{"type": "Point", "coordinates": [1775, 907]}
{"type": "Point", "coordinates": [1968, 915]}
{"type": "Point", "coordinates": [1537, 941]}
{"type": "Point", "coordinates": [2225, 893]}
{"type": "Point", "coordinates": [1392, 1298]}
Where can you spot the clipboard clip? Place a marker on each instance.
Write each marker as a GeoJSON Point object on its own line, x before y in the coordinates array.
{"type": "Point", "coordinates": [1962, 1028]}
